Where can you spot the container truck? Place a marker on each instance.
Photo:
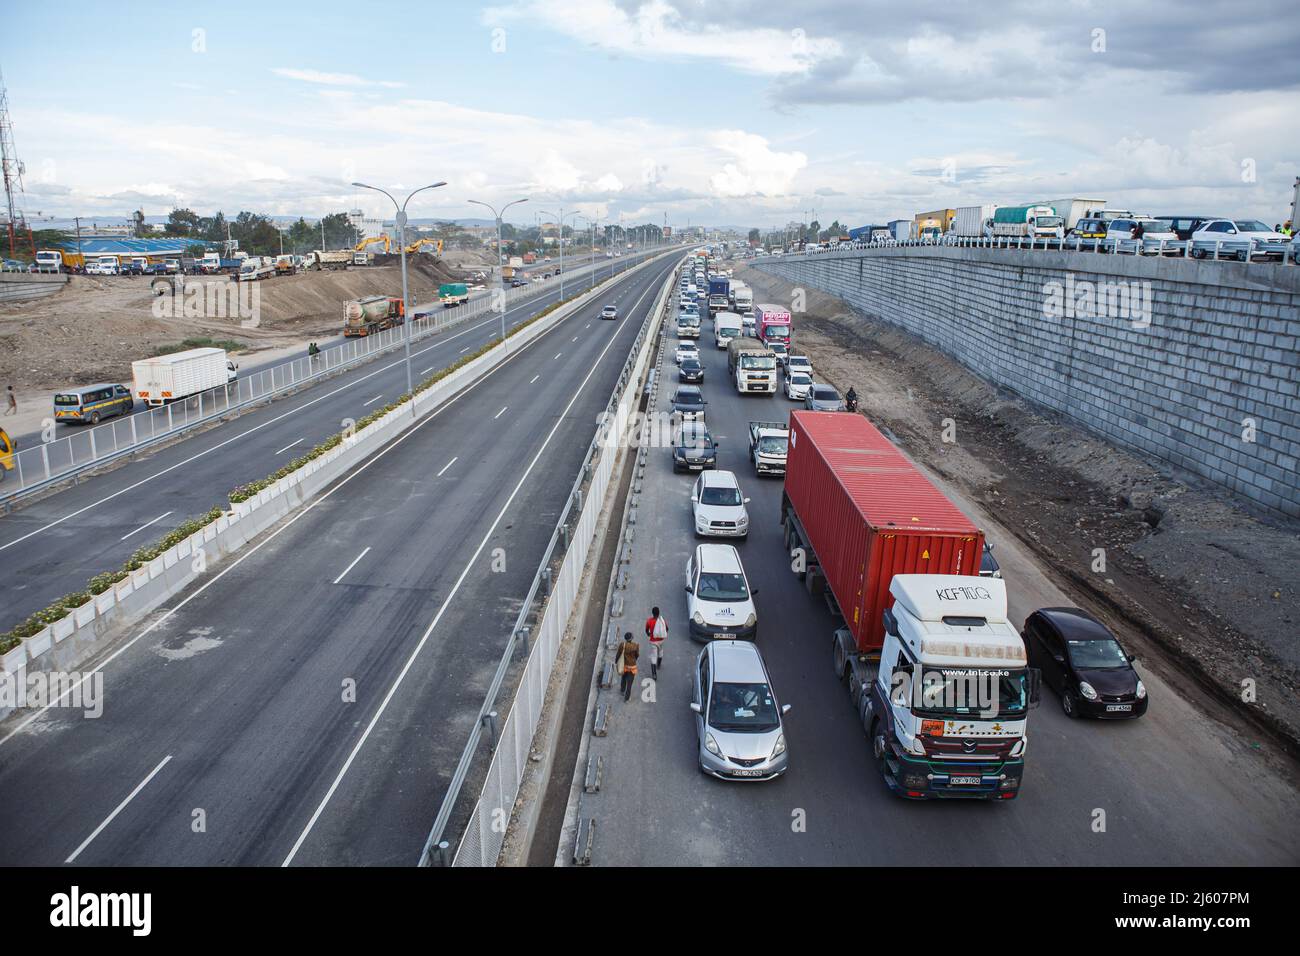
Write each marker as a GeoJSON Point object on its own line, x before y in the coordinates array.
{"type": "Point", "coordinates": [772, 323]}
{"type": "Point", "coordinates": [726, 326]}
{"type": "Point", "coordinates": [167, 378]}
{"type": "Point", "coordinates": [452, 294]}
{"type": "Point", "coordinates": [769, 444]}
{"type": "Point", "coordinates": [1072, 210]}
{"type": "Point", "coordinates": [900, 229]}
{"type": "Point", "coordinates": [372, 314]}
{"type": "Point", "coordinates": [973, 221]}
{"type": "Point", "coordinates": [752, 365]}
{"type": "Point", "coordinates": [933, 225]}
{"type": "Point", "coordinates": [719, 293]}
{"type": "Point", "coordinates": [936, 672]}
{"type": "Point", "coordinates": [1028, 222]}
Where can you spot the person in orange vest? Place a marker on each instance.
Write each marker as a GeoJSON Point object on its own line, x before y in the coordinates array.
{"type": "Point", "coordinates": [625, 661]}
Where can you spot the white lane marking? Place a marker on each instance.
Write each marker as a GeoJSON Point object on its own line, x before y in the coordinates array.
{"type": "Point", "coordinates": [446, 466]}
{"type": "Point", "coordinates": [557, 355]}
{"type": "Point", "coordinates": [410, 661]}
{"type": "Point", "coordinates": [290, 445]}
{"type": "Point", "coordinates": [373, 400]}
{"type": "Point", "coordinates": [109, 819]}
{"type": "Point", "coordinates": [533, 379]}
{"type": "Point", "coordinates": [500, 413]}
{"type": "Point", "coordinates": [145, 525]}
{"type": "Point", "coordinates": [575, 338]}
{"type": "Point", "coordinates": [269, 538]}
{"type": "Point", "coordinates": [427, 370]}
{"type": "Point", "coordinates": [466, 349]}
{"type": "Point", "coordinates": [352, 565]}
{"type": "Point", "coordinates": [234, 438]}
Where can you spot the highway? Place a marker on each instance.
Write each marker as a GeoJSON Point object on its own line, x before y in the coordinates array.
{"type": "Point", "coordinates": [54, 545]}
{"type": "Point", "coordinates": [307, 702]}
{"type": "Point", "coordinates": [1177, 787]}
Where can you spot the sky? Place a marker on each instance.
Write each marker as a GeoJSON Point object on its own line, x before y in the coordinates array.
{"type": "Point", "coordinates": [704, 112]}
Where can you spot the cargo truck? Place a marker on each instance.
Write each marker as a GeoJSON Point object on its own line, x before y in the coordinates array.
{"type": "Point", "coordinates": [1028, 222]}
{"type": "Point", "coordinates": [168, 378]}
{"type": "Point", "coordinates": [973, 221]}
{"type": "Point", "coordinates": [719, 294]}
{"type": "Point", "coordinates": [936, 672]}
{"type": "Point", "coordinates": [451, 294]}
{"type": "Point", "coordinates": [752, 366]}
{"type": "Point", "coordinates": [769, 444]}
{"type": "Point", "coordinates": [372, 314]}
{"type": "Point", "coordinates": [1072, 210]}
{"type": "Point", "coordinates": [287, 265]}
{"type": "Point", "coordinates": [900, 229]}
{"type": "Point", "coordinates": [726, 326]}
{"type": "Point", "coordinates": [254, 268]}
{"type": "Point", "coordinates": [869, 234]}
{"type": "Point", "coordinates": [56, 260]}
{"type": "Point", "coordinates": [932, 225]}
{"type": "Point", "coordinates": [772, 323]}
{"type": "Point", "coordinates": [339, 259]}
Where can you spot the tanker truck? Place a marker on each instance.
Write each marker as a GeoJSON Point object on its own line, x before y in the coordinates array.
{"type": "Point", "coordinates": [372, 314]}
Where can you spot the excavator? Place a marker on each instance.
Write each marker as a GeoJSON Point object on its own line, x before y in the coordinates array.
{"type": "Point", "coordinates": [361, 246]}
{"type": "Point", "coordinates": [435, 246]}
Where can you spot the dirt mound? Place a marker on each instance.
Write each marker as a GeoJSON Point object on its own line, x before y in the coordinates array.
{"type": "Point", "coordinates": [95, 327]}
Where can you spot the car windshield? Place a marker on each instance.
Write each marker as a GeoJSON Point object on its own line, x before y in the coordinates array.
{"type": "Point", "coordinates": [720, 495]}
{"type": "Point", "coordinates": [963, 693]}
{"type": "Point", "coordinates": [799, 378]}
{"type": "Point", "coordinates": [772, 445]}
{"type": "Point", "coordinates": [694, 439]}
{"type": "Point", "coordinates": [721, 586]}
{"type": "Point", "coordinates": [1251, 225]}
{"type": "Point", "coordinates": [1100, 654]}
{"type": "Point", "coordinates": [690, 364]}
{"type": "Point", "coordinates": [1159, 225]}
{"type": "Point", "coordinates": [823, 393]}
{"type": "Point", "coordinates": [743, 708]}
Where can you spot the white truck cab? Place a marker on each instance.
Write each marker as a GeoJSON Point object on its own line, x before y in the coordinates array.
{"type": "Point", "coordinates": [946, 702]}
{"type": "Point", "coordinates": [726, 326]}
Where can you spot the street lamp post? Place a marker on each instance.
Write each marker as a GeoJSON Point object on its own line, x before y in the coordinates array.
{"type": "Point", "coordinates": [406, 296]}
{"type": "Point", "coordinates": [501, 266]}
{"type": "Point", "coordinates": [560, 219]}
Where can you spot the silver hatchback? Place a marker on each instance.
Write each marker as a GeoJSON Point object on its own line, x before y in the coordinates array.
{"type": "Point", "coordinates": [738, 723]}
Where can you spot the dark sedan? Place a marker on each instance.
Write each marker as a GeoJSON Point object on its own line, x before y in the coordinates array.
{"type": "Point", "coordinates": [1084, 663]}
{"type": "Point", "coordinates": [690, 371]}
{"type": "Point", "coordinates": [688, 402]}
{"type": "Point", "coordinates": [694, 448]}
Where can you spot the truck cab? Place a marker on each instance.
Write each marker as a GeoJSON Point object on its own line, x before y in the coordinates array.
{"type": "Point", "coordinates": [946, 701]}
{"type": "Point", "coordinates": [726, 326]}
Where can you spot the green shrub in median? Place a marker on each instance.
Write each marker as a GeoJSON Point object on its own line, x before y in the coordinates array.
{"type": "Point", "coordinates": [100, 583]}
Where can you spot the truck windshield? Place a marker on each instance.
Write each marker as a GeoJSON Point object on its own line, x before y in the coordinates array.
{"type": "Point", "coordinates": [743, 708]}
{"type": "Point", "coordinates": [758, 363]}
{"type": "Point", "coordinates": [968, 693]}
{"type": "Point", "coordinates": [772, 445]}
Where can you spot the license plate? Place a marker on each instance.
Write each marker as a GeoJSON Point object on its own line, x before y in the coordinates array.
{"type": "Point", "coordinates": [964, 781]}
{"type": "Point", "coordinates": [747, 773]}
{"type": "Point", "coordinates": [1118, 708]}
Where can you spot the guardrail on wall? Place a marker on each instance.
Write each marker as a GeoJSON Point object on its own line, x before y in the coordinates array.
{"type": "Point", "coordinates": [1227, 250]}
{"type": "Point", "coordinates": [50, 462]}
{"type": "Point", "coordinates": [573, 536]}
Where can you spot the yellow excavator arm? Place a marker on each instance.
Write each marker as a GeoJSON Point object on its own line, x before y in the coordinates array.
{"type": "Point", "coordinates": [435, 245]}
{"type": "Point", "coordinates": [361, 246]}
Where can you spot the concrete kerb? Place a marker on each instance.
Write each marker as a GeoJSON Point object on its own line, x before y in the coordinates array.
{"type": "Point", "coordinates": [627, 397]}
{"type": "Point", "coordinates": [77, 638]}
{"type": "Point", "coordinates": [596, 724]}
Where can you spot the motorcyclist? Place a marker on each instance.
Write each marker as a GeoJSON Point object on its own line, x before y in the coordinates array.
{"type": "Point", "coordinates": [851, 400]}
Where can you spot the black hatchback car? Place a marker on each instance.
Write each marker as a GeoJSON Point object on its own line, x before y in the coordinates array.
{"type": "Point", "coordinates": [690, 371]}
{"type": "Point", "coordinates": [1084, 663]}
{"type": "Point", "coordinates": [688, 402]}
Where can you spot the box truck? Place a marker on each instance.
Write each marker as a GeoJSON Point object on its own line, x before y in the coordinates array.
{"type": "Point", "coordinates": [451, 294]}
{"type": "Point", "coordinates": [900, 229]}
{"type": "Point", "coordinates": [719, 293]}
{"type": "Point", "coordinates": [1072, 210]}
{"type": "Point", "coordinates": [932, 225]}
{"type": "Point", "coordinates": [1028, 222]}
{"type": "Point", "coordinates": [167, 378]}
{"type": "Point", "coordinates": [772, 322]}
{"type": "Point", "coordinates": [937, 674]}
{"type": "Point", "coordinates": [726, 326]}
{"type": "Point", "coordinates": [973, 221]}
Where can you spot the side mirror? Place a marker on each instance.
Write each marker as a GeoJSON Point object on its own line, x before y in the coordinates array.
{"type": "Point", "coordinates": [697, 708]}
{"type": "Point", "coordinates": [753, 592]}
{"type": "Point", "coordinates": [746, 501]}
{"type": "Point", "coordinates": [695, 500]}
{"type": "Point", "coordinates": [785, 709]}
{"type": "Point", "coordinates": [1035, 686]}
{"type": "Point", "coordinates": [1132, 658]}
{"type": "Point", "coordinates": [688, 589]}
{"type": "Point", "coordinates": [1059, 658]}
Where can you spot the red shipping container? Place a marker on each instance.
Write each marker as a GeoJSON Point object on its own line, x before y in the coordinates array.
{"type": "Point", "coordinates": [869, 514]}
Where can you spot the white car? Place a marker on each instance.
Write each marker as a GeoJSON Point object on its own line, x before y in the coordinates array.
{"type": "Point", "coordinates": [718, 506]}
{"type": "Point", "coordinates": [797, 385]}
{"type": "Point", "coordinates": [1119, 234]}
{"type": "Point", "coordinates": [1237, 238]}
{"type": "Point", "coordinates": [686, 349]}
{"type": "Point", "coordinates": [719, 601]}
{"type": "Point", "coordinates": [798, 363]}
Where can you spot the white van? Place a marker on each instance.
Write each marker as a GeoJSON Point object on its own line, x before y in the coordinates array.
{"type": "Point", "coordinates": [726, 326]}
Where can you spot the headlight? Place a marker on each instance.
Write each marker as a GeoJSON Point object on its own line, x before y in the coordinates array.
{"type": "Point", "coordinates": [1142, 690]}
{"type": "Point", "coordinates": [711, 745]}
{"type": "Point", "coordinates": [1086, 690]}
{"type": "Point", "coordinates": [742, 521]}
{"type": "Point", "coordinates": [698, 618]}
{"type": "Point", "coordinates": [779, 748]}
{"type": "Point", "coordinates": [751, 620]}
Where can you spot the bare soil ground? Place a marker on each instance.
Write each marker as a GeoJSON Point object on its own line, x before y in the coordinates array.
{"type": "Point", "coordinates": [1192, 578]}
{"type": "Point", "coordinates": [94, 328]}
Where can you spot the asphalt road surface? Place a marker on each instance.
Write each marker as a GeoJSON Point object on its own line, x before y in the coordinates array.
{"type": "Point", "coordinates": [51, 547]}
{"type": "Point", "coordinates": [1176, 787]}
{"type": "Point", "coordinates": [306, 703]}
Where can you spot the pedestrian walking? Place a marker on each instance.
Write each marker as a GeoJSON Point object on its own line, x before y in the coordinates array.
{"type": "Point", "coordinates": [12, 403]}
{"type": "Point", "coordinates": [625, 661]}
{"type": "Point", "coordinates": [656, 629]}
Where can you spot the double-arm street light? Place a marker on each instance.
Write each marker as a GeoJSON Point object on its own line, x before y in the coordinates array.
{"type": "Point", "coordinates": [592, 223]}
{"type": "Point", "coordinates": [406, 296]}
{"type": "Point", "coordinates": [501, 266]}
{"type": "Point", "coordinates": [560, 217]}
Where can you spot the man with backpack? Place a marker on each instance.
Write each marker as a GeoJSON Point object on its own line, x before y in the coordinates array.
{"type": "Point", "coordinates": [656, 629]}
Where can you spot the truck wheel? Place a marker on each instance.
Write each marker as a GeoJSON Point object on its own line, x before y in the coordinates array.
{"type": "Point", "coordinates": [837, 658]}
{"type": "Point", "coordinates": [1070, 704]}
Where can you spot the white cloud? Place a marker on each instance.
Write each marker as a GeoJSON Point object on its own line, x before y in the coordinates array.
{"type": "Point", "coordinates": [332, 79]}
{"type": "Point", "coordinates": [755, 169]}
{"type": "Point", "coordinates": [656, 29]}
